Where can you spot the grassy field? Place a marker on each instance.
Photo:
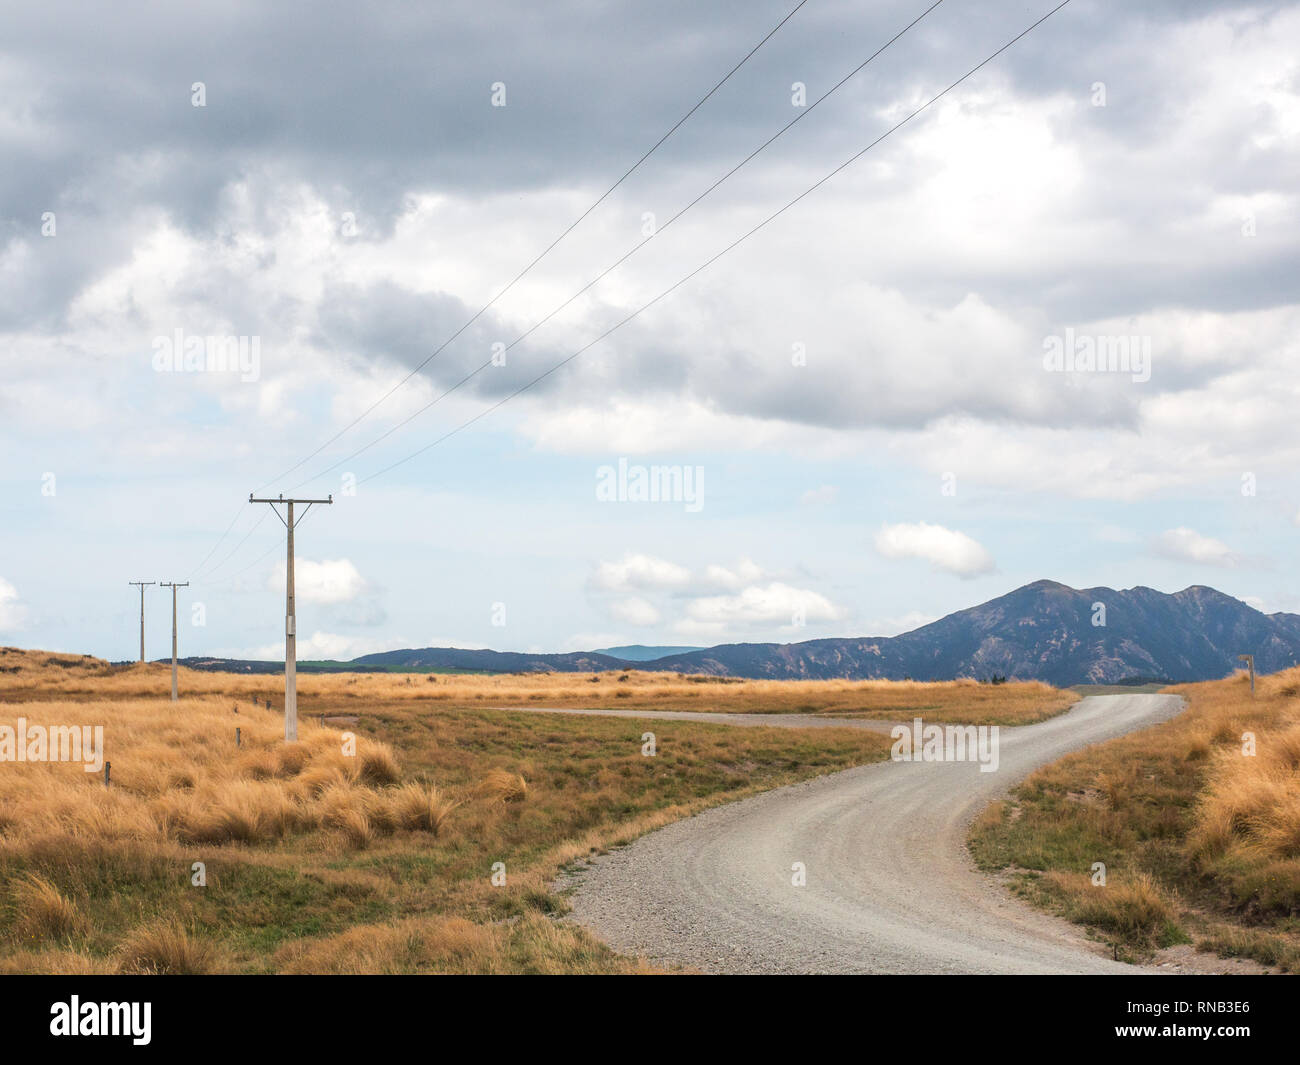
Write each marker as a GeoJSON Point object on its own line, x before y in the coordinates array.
{"type": "Point", "coordinates": [320, 860]}
{"type": "Point", "coordinates": [1200, 837]}
{"type": "Point", "coordinates": [37, 677]}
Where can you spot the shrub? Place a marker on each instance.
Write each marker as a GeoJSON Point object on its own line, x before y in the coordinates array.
{"type": "Point", "coordinates": [504, 785]}
{"type": "Point", "coordinates": [42, 912]}
{"type": "Point", "coordinates": [166, 948]}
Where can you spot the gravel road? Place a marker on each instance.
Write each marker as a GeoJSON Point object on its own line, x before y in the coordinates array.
{"type": "Point", "coordinates": [890, 885]}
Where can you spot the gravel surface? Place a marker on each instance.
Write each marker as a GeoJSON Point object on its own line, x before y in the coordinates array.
{"type": "Point", "coordinates": [890, 886]}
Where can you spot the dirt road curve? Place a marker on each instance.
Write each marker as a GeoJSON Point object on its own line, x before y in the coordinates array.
{"type": "Point", "coordinates": [890, 885]}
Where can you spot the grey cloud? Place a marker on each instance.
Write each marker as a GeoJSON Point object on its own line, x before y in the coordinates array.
{"type": "Point", "coordinates": [370, 104]}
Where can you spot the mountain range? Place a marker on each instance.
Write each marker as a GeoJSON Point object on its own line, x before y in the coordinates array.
{"type": "Point", "coordinates": [1042, 631]}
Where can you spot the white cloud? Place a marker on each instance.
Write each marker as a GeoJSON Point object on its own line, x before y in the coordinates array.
{"type": "Point", "coordinates": [775, 603]}
{"type": "Point", "coordinates": [945, 549]}
{"type": "Point", "coordinates": [640, 571]}
{"type": "Point", "coordinates": [925, 358]}
{"type": "Point", "coordinates": [745, 572]}
{"type": "Point", "coordinates": [1187, 545]}
{"type": "Point", "coordinates": [329, 581]}
{"type": "Point", "coordinates": [320, 645]}
{"type": "Point", "coordinates": [749, 605]}
{"type": "Point", "coordinates": [634, 611]}
{"type": "Point", "coordinates": [13, 613]}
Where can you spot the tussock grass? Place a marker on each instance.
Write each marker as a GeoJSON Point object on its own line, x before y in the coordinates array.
{"type": "Point", "coordinates": [179, 776]}
{"type": "Point", "coordinates": [1233, 941]}
{"type": "Point", "coordinates": [421, 808]}
{"type": "Point", "coordinates": [502, 785]}
{"type": "Point", "coordinates": [1197, 834]}
{"type": "Point", "coordinates": [318, 861]}
{"type": "Point", "coordinates": [167, 948]}
{"type": "Point", "coordinates": [42, 912]}
{"type": "Point", "coordinates": [531, 944]}
{"type": "Point", "coordinates": [55, 962]}
{"type": "Point", "coordinates": [965, 701]}
{"type": "Point", "coordinates": [1136, 910]}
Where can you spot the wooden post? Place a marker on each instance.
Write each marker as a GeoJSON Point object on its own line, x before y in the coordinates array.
{"type": "Point", "coordinates": [142, 585]}
{"type": "Point", "coordinates": [173, 586]}
{"type": "Point", "coordinates": [1250, 662]}
{"type": "Point", "coordinates": [107, 767]}
{"type": "Point", "coordinates": [290, 613]}
{"type": "Point", "coordinates": [237, 736]}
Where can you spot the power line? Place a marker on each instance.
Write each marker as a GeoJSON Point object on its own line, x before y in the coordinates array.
{"type": "Point", "coordinates": [518, 277]}
{"type": "Point", "coordinates": [220, 540]}
{"type": "Point", "coordinates": [260, 558]}
{"type": "Point", "coordinates": [235, 550]}
{"type": "Point", "coordinates": [709, 262]}
{"type": "Point", "coordinates": [929, 103]}
{"type": "Point", "coordinates": [546, 251]}
{"type": "Point", "coordinates": [632, 251]}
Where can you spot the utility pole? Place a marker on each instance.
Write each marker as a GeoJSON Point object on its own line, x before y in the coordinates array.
{"type": "Point", "coordinates": [142, 585]}
{"type": "Point", "coordinates": [173, 586]}
{"type": "Point", "coordinates": [290, 620]}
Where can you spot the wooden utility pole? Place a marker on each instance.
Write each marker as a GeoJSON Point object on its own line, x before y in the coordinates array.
{"type": "Point", "coordinates": [142, 586]}
{"type": "Point", "coordinates": [1250, 663]}
{"type": "Point", "coordinates": [290, 619]}
{"type": "Point", "coordinates": [173, 586]}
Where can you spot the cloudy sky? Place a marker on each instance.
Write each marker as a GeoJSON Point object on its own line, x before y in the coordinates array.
{"type": "Point", "coordinates": [1050, 327]}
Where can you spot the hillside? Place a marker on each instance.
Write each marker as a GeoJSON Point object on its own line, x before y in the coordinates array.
{"type": "Point", "coordinates": [1042, 631]}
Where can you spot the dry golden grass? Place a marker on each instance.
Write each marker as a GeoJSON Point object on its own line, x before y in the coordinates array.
{"type": "Point", "coordinates": [1250, 809]}
{"type": "Point", "coordinates": [167, 948]}
{"type": "Point", "coordinates": [41, 912]}
{"type": "Point", "coordinates": [1200, 835]}
{"type": "Point", "coordinates": [1134, 909]}
{"type": "Point", "coordinates": [179, 776]}
{"type": "Point", "coordinates": [532, 944]}
{"type": "Point", "coordinates": [499, 784]}
{"type": "Point", "coordinates": [417, 807]}
{"type": "Point", "coordinates": [55, 962]}
{"type": "Point", "coordinates": [314, 859]}
{"type": "Point", "coordinates": [38, 677]}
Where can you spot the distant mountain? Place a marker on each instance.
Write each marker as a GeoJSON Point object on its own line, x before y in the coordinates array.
{"type": "Point", "coordinates": [639, 652]}
{"type": "Point", "coordinates": [492, 661]}
{"type": "Point", "coordinates": [1043, 631]}
{"type": "Point", "coordinates": [431, 659]}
